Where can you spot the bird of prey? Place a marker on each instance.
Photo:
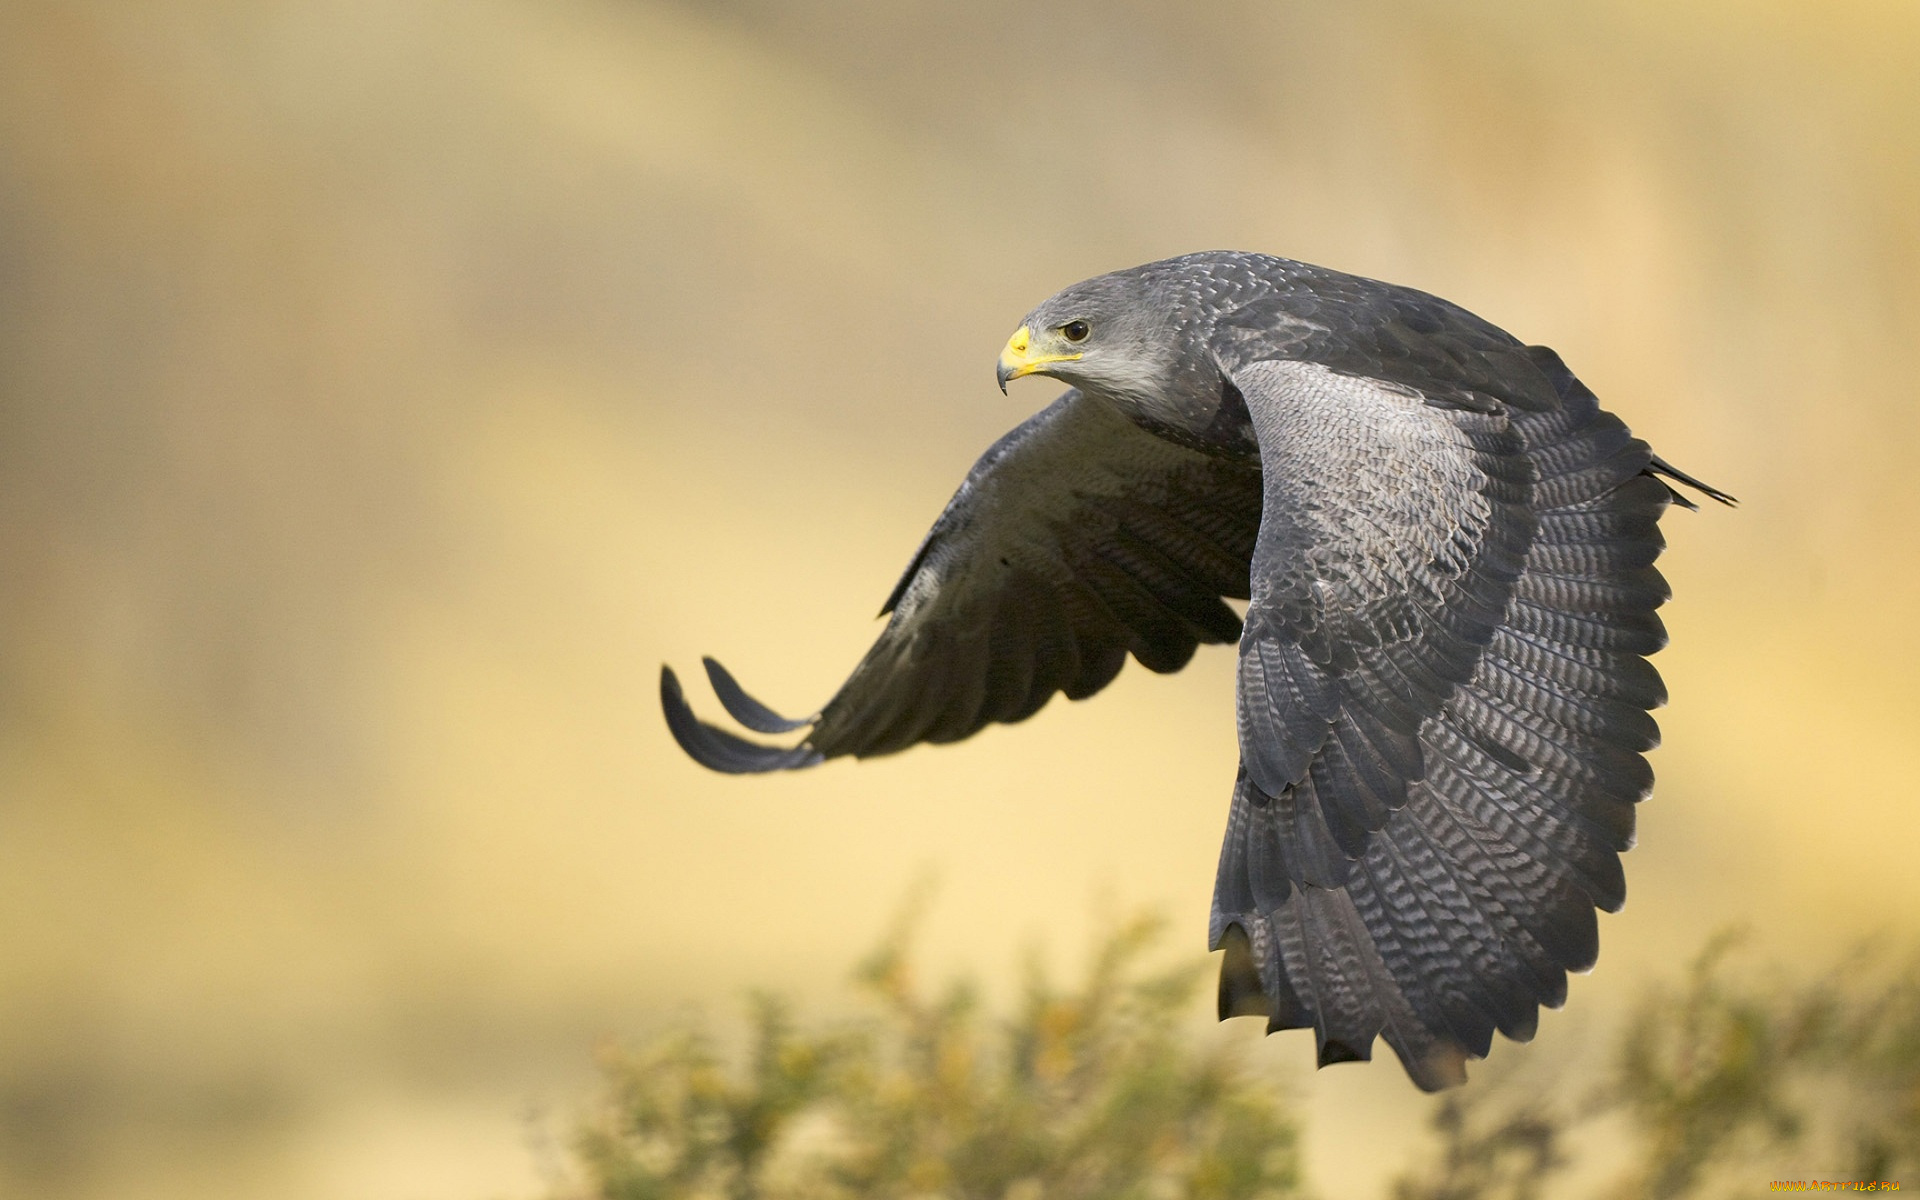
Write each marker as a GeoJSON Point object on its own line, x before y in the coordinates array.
{"type": "Point", "coordinates": [1447, 547]}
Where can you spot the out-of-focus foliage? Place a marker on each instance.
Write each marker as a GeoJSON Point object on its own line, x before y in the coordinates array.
{"type": "Point", "coordinates": [1508, 1155]}
{"type": "Point", "coordinates": [1092, 1093]}
{"type": "Point", "coordinates": [1728, 1081]}
{"type": "Point", "coordinates": [1732, 1064]}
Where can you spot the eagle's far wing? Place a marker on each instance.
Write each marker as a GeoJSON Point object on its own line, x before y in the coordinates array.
{"type": "Point", "coordinates": [1443, 702]}
{"type": "Point", "coordinates": [1076, 540]}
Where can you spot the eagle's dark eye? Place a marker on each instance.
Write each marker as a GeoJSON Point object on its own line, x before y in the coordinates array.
{"type": "Point", "coordinates": [1076, 331]}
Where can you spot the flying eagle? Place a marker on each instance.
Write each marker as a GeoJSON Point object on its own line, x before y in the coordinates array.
{"type": "Point", "coordinates": [1447, 547]}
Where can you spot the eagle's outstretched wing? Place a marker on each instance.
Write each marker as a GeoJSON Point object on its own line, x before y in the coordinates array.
{"type": "Point", "coordinates": [1443, 704]}
{"type": "Point", "coordinates": [1076, 540]}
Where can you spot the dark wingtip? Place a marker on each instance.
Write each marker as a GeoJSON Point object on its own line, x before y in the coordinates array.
{"type": "Point", "coordinates": [1334, 1050]}
{"type": "Point", "coordinates": [1442, 1066]}
{"type": "Point", "coordinates": [744, 708]}
{"type": "Point", "coordinates": [716, 748]}
{"type": "Point", "coordinates": [1660, 466]}
{"type": "Point", "coordinates": [1241, 994]}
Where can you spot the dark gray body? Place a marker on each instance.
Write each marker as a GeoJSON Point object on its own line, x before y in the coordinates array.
{"type": "Point", "coordinates": [1448, 551]}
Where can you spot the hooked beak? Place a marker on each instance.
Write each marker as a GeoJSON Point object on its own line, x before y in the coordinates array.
{"type": "Point", "coordinates": [1017, 360]}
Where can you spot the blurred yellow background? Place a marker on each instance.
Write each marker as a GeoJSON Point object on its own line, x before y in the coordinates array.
{"type": "Point", "coordinates": [387, 389]}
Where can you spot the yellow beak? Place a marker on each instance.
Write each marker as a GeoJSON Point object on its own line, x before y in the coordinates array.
{"type": "Point", "coordinates": [1017, 360]}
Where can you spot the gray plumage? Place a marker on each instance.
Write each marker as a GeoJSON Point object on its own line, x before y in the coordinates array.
{"type": "Point", "coordinates": [1447, 548]}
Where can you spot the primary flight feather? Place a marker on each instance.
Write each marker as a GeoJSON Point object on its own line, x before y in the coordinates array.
{"type": "Point", "coordinates": [1447, 548]}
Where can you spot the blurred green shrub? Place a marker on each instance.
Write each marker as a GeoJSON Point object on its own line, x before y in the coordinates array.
{"type": "Point", "coordinates": [1740, 1068]}
{"type": "Point", "coordinates": [1091, 1093]}
{"type": "Point", "coordinates": [1719, 1085]}
{"type": "Point", "coordinates": [1731, 1081]}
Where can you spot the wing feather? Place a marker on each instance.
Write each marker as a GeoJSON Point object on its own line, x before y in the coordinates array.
{"type": "Point", "coordinates": [1078, 539]}
{"type": "Point", "coordinates": [1466, 720]}
{"type": "Point", "coordinates": [744, 708]}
